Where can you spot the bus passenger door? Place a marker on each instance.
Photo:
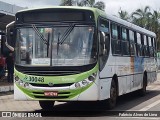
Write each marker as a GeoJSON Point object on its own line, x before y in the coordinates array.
{"type": "Point", "coordinates": [104, 48]}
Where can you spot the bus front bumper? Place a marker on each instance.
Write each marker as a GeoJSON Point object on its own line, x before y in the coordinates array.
{"type": "Point", "coordinates": [87, 93]}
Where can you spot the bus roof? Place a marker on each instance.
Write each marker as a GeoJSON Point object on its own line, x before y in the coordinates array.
{"type": "Point", "coordinates": [98, 13]}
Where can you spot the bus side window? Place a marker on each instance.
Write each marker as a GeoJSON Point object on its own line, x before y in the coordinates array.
{"type": "Point", "coordinates": [125, 42]}
{"type": "Point", "coordinates": [151, 49]}
{"type": "Point", "coordinates": [138, 44]}
{"type": "Point", "coordinates": [142, 45]}
{"type": "Point", "coordinates": [155, 47]}
{"type": "Point", "coordinates": [146, 51]}
{"type": "Point", "coordinates": [132, 43]}
{"type": "Point", "coordinates": [116, 42]}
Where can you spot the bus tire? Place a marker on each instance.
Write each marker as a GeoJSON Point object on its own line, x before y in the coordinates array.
{"type": "Point", "coordinates": [142, 91]}
{"type": "Point", "coordinates": [113, 95]}
{"type": "Point", "coordinates": [46, 105]}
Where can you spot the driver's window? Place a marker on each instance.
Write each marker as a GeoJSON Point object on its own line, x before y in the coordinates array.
{"type": "Point", "coordinates": [104, 42]}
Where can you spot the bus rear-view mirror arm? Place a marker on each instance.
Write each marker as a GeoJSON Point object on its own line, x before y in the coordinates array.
{"type": "Point", "coordinates": [9, 47]}
{"type": "Point", "coordinates": [103, 52]}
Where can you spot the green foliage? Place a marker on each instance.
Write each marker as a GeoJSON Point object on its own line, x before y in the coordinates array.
{"type": "Point", "coordinates": [66, 3]}
{"type": "Point", "coordinates": [144, 18]}
{"type": "Point", "coordinates": [124, 15]}
{"type": "Point", "coordinates": [89, 3]}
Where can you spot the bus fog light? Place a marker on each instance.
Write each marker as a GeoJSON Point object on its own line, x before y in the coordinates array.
{"type": "Point", "coordinates": [26, 84]}
{"type": "Point", "coordinates": [16, 78]}
{"type": "Point", "coordinates": [94, 74]}
{"type": "Point", "coordinates": [91, 78]}
{"type": "Point", "coordinates": [21, 82]}
{"type": "Point", "coordinates": [77, 85]}
{"type": "Point", "coordinates": [84, 82]}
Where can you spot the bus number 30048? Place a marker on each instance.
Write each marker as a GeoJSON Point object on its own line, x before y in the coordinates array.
{"type": "Point", "coordinates": [36, 79]}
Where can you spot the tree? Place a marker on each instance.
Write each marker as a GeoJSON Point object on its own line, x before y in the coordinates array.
{"type": "Point", "coordinates": [100, 5]}
{"type": "Point", "coordinates": [154, 22]}
{"type": "Point", "coordinates": [66, 3]}
{"type": "Point", "coordinates": [124, 15]}
{"type": "Point", "coordinates": [155, 26]}
{"type": "Point", "coordinates": [91, 3]}
{"type": "Point", "coordinates": [141, 17]}
{"type": "Point", "coordinates": [146, 19]}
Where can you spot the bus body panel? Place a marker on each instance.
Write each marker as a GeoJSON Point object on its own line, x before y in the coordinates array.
{"type": "Point", "coordinates": [128, 69]}
{"type": "Point", "coordinates": [18, 94]}
{"type": "Point", "coordinates": [104, 88]}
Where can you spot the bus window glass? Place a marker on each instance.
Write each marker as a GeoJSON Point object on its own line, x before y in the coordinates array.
{"type": "Point", "coordinates": [149, 41]}
{"type": "Point", "coordinates": [145, 40]}
{"type": "Point", "coordinates": [131, 35]}
{"type": "Point", "coordinates": [125, 42]}
{"type": "Point", "coordinates": [124, 34]}
{"type": "Point", "coordinates": [139, 46]}
{"type": "Point", "coordinates": [146, 46]}
{"type": "Point", "coordinates": [116, 42]}
{"type": "Point", "coordinates": [151, 48]}
{"type": "Point", "coordinates": [47, 46]}
{"type": "Point", "coordinates": [114, 31]}
{"type": "Point", "coordinates": [104, 25]}
{"type": "Point", "coordinates": [138, 38]}
{"type": "Point", "coordinates": [132, 43]}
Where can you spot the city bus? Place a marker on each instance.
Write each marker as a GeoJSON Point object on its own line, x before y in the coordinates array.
{"type": "Point", "coordinates": [80, 54]}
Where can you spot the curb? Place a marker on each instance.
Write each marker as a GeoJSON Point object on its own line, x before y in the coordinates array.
{"type": "Point", "coordinates": [6, 88]}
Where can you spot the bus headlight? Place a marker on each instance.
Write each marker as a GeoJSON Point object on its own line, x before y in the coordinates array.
{"type": "Point", "coordinates": [77, 85]}
{"type": "Point", "coordinates": [26, 84]}
{"type": "Point", "coordinates": [92, 77]}
{"type": "Point", "coordinates": [16, 78]}
{"type": "Point", "coordinates": [86, 82]}
{"type": "Point", "coordinates": [20, 82]}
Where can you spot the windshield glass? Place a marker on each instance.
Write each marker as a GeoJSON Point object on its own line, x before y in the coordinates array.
{"type": "Point", "coordinates": [56, 46]}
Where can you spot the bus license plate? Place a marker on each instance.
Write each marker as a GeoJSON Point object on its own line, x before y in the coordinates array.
{"type": "Point", "coordinates": [49, 93]}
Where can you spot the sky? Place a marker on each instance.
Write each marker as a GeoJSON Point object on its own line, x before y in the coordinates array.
{"type": "Point", "coordinates": [112, 6]}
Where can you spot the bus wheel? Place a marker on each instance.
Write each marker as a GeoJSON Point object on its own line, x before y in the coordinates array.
{"type": "Point", "coordinates": [142, 91]}
{"type": "Point", "coordinates": [113, 95]}
{"type": "Point", "coordinates": [47, 105]}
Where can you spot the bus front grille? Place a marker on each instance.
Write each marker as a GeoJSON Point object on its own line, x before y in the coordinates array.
{"type": "Point", "coordinates": [54, 85]}
{"type": "Point", "coordinates": [50, 97]}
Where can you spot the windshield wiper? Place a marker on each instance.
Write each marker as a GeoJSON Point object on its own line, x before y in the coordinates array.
{"type": "Point", "coordinates": [40, 35]}
{"type": "Point", "coordinates": [45, 41]}
{"type": "Point", "coordinates": [66, 34]}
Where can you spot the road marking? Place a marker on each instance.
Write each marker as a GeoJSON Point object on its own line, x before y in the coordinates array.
{"type": "Point", "coordinates": [150, 106]}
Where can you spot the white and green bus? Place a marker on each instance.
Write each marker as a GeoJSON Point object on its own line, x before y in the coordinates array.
{"type": "Point", "coordinates": [80, 54]}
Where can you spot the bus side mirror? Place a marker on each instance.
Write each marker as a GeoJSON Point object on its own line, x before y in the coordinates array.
{"type": "Point", "coordinates": [10, 37]}
{"type": "Point", "coordinates": [10, 34]}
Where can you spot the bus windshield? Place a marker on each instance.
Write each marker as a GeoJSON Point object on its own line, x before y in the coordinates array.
{"type": "Point", "coordinates": [56, 46]}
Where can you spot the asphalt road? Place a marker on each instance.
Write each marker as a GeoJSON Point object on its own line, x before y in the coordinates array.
{"type": "Point", "coordinates": [129, 106]}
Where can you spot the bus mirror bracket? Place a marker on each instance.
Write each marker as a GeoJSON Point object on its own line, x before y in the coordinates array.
{"type": "Point", "coordinates": [102, 41]}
